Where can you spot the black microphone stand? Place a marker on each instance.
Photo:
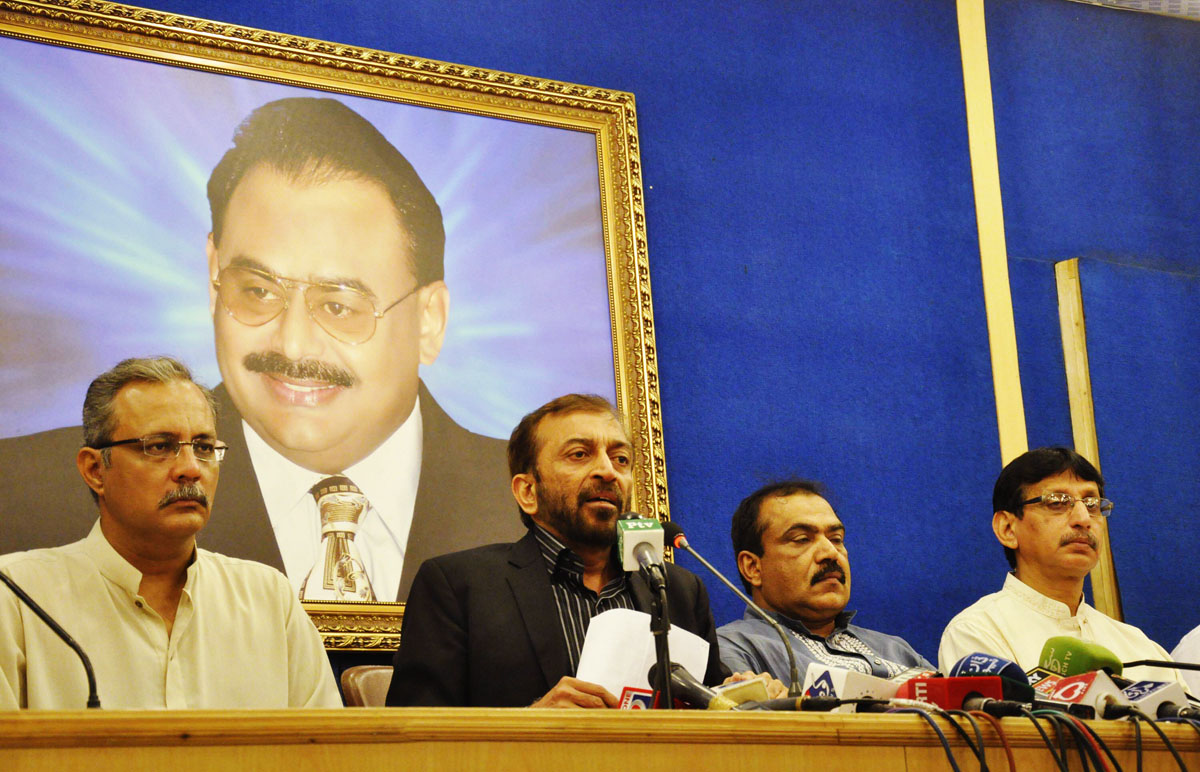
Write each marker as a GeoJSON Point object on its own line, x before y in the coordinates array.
{"type": "Point", "coordinates": [660, 626]}
{"type": "Point", "coordinates": [680, 541]}
{"type": "Point", "coordinates": [93, 698]}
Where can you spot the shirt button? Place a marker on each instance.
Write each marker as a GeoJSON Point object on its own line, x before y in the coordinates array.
{"type": "Point", "coordinates": [137, 603]}
{"type": "Point", "coordinates": [878, 662]}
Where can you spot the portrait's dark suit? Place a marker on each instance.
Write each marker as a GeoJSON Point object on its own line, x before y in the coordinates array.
{"type": "Point", "coordinates": [463, 497]}
{"type": "Point", "coordinates": [481, 628]}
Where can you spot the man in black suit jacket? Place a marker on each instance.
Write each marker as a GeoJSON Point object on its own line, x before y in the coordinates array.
{"type": "Point", "coordinates": [502, 625]}
{"type": "Point", "coordinates": [463, 474]}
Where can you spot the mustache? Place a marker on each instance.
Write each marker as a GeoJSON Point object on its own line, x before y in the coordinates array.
{"type": "Point", "coordinates": [592, 491]}
{"type": "Point", "coordinates": [827, 569]}
{"type": "Point", "coordinates": [1079, 536]}
{"type": "Point", "coordinates": [274, 363]}
{"type": "Point", "coordinates": [186, 492]}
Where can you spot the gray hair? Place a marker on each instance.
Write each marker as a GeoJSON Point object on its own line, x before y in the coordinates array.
{"type": "Point", "coordinates": [99, 419]}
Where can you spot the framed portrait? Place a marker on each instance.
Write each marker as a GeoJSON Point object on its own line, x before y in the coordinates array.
{"type": "Point", "coordinates": [164, 177]}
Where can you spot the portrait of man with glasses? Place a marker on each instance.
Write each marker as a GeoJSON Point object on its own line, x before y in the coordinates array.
{"type": "Point", "coordinates": [326, 291]}
{"type": "Point", "coordinates": [1047, 509]}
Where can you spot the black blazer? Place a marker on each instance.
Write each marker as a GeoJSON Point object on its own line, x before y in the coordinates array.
{"type": "Point", "coordinates": [481, 628]}
{"type": "Point", "coordinates": [463, 497]}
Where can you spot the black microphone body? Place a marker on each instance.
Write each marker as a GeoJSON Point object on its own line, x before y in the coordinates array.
{"type": "Point", "coordinates": [688, 689]}
{"type": "Point", "coordinates": [1164, 663]}
{"type": "Point", "coordinates": [651, 567]}
{"type": "Point", "coordinates": [675, 536]}
{"type": "Point", "coordinates": [93, 700]}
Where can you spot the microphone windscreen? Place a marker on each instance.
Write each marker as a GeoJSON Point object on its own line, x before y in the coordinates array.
{"type": "Point", "coordinates": [987, 664]}
{"type": "Point", "coordinates": [672, 531]}
{"type": "Point", "coordinates": [1070, 656]}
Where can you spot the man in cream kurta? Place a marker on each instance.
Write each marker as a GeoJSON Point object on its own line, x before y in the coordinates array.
{"type": "Point", "coordinates": [167, 625]}
{"type": "Point", "coordinates": [240, 638]}
{"type": "Point", "coordinates": [1047, 506]}
{"type": "Point", "coordinates": [1015, 623]}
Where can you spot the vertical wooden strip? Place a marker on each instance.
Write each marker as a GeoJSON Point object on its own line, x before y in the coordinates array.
{"type": "Point", "coordinates": [989, 215]}
{"type": "Point", "coordinates": [1105, 591]}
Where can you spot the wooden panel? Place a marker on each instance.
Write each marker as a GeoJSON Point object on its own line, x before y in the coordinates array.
{"type": "Point", "coordinates": [438, 739]}
{"type": "Point", "coordinates": [1106, 592]}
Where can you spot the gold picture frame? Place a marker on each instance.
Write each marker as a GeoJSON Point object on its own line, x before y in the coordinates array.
{"type": "Point", "coordinates": [608, 116]}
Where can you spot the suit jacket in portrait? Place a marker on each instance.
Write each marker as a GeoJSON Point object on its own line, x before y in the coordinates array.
{"type": "Point", "coordinates": [481, 628]}
{"type": "Point", "coordinates": [463, 498]}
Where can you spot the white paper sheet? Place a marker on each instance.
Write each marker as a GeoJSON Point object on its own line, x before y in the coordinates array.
{"type": "Point", "coordinates": [619, 650]}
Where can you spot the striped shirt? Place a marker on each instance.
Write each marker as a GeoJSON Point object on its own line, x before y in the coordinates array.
{"type": "Point", "coordinates": [576, 603]}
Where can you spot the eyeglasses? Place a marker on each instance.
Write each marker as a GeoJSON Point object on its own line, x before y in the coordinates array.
{"type": "Point", "coordinates": [166, 446]}
{"type": "Point", "coordinates": [1062, 503]}
{"type": "Point", "coordinates": [255, 297]}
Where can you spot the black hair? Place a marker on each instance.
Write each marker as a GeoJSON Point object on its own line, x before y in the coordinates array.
{"type": "Point", "coordinates": [747, 529]}
{"type": "Point", "coordinates": [1032, 467]}
{"type": "Point", "coordinates": [311, 140]}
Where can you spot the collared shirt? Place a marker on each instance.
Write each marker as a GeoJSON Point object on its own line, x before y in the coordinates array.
{"type": "Point", "coordinates": [388, 477]}
{"type": "Point", "coordinates": [240, 638]}
{"type": "Point", "coordinates": [751, 644]}
{"type": "Point", "coordinates": [1015, 623]}
{"type": "Point", "coordinates": [576, 603]}
{"type": "Point", "coordinates": [1188, 650]}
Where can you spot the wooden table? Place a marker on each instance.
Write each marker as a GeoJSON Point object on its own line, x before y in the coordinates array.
{"type": "Point", "coordinates": [449, 738]}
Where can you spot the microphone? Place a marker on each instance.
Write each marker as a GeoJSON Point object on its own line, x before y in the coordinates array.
{"type": "Point", "coordinates": [982, 664]}
{"type": "Point", "coordinates": [1016, 695]}
{"type": "Point", "coordinates": [640, 544]}
{"type": "Point", "coordinates": [1089, 695]}
{"type": "Point", "coordinates": [1167, 663]}
{"type": "Point", "coordinates": [679, 541]}
{"type": "Point", "coordinates": [690, 691]}
{"type": "Point", "coordinates": [1070, 656]}
{"type": "Point", "coordinates": [93, 700]}
{"type": "Point", "coordinates": [952, 693]}
{"type": "Point", "coordinates": [1042, 680]}
{"type": "Point", "coordinates": [840, 684]}
{"type": "Point", "coordinates": [1157, 699]}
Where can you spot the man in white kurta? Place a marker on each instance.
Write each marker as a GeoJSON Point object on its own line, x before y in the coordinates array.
{"type": "Point", "coordinates": [166, 625]}
{"type": "Point", "coordinates": [240, 638]}
{"type": "Point", "coordinates": [1188, 650]}
{"type": "Point", "coordinates": [1047, 508]}
{"type": "Point", "coordinates": [1015, 623]}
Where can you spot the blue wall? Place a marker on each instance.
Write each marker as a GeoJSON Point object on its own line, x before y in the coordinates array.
{"type": "Point", "coordinates": [1097, 114]}
{"type": "Point", "coordinates": [813, 253]}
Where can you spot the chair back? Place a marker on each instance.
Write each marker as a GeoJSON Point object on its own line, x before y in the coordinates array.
{"type": "Point", "coordinates": [366, 686]}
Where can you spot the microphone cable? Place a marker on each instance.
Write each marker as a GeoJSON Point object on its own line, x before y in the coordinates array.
{"type": "Point", "coordinates": [1085, 740]}
{"type": "Point", "coordinates": [1138, 715]}
{"type": "Point", "coordinates": [941, 735]}
{"type": "Point", "coordinates": [1058, 758]}
{"type": "Point", "coordinates": [1193, 723]}
{"type": "Point", "coordinates": [1096, 743]}
{"type": "Point", "coordinates": [995, 722]}
{"type": "Point", "coordinates": [976, 747]}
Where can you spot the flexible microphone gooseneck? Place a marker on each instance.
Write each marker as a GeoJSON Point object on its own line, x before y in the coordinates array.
{"type": "Point", "coordinates": [679, 541]}
{"type": "Point", "coordinates": [93, 700]}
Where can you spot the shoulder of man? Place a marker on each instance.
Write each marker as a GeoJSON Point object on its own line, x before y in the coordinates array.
{"type": "Point", "coordinates": [240, 571]}
{"type": "Point", "coordinates": [980, 609]}
{"type": "Point", "coordinates": [38, 561]}
{"type": "Point", "coordinates": [676, 572]}
{"type": "Point", "coordinates": [471, 561]}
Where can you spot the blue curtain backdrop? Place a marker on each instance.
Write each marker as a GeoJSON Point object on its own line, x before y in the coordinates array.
{"type": "Point", "coordinates": [815, 266]}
